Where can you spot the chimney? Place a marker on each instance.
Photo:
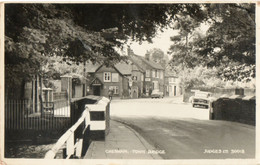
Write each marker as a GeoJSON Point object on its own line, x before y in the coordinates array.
{"type": "Point", "coordinates": [129, 51]}
{"type": "Point", "coordinates": [147, 55]}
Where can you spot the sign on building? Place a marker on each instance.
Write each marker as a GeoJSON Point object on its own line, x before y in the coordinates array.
{"type": "Point", "coordinates": [147, 79]}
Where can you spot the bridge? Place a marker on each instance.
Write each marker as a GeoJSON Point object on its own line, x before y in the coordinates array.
{"type": "Point", "coordinates": [90, 119]}
{"type": "Point", "coordinates": [94, 136]}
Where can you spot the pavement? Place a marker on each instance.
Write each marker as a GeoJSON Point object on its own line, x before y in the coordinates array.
{"type": "Point", "coordinates": [122, 142]}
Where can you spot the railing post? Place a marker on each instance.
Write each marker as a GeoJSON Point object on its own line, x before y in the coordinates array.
{"type": "Point", "coordinates": [98, 119]}
{"type": "Point", "coordinates": [70, 146]}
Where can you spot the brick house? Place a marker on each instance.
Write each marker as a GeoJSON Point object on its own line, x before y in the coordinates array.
{"type": "Point", "coordinates": [153, 73]}
{"type": "Point", "coordinates": [134, 79]}
{"type": "Point", "coordinates": [102, 78]}
{"type": "Point", "coordinates": [173, 82]}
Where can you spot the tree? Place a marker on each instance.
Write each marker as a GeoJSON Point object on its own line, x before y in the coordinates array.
{"type": "Point", "coordinates": [36, 32]}
{"type": "Point", "coordinates": [228, 41]}
{"type": "Point", "coordinates": [231, 36]}
{"type": "Point", "coordinates": [158, 56]}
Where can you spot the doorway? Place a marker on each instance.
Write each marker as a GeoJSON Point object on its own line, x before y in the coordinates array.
{"type": "Point", "coordinates": [96, 90]}
{"type": "Point", "coordinates": [175, 92]}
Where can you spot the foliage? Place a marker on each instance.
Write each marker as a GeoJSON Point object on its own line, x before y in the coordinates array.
{"type": "Point", "coordinates": [241, 73]}
{"type": "Point", "coordinates": [231, 35]}
{"type": "Point", "coordinates": [34, 33]}
{"type": "Point", "coordinates": [228, 44]}
{"type": "Point", "coordinates": [200, 76]}
{"type": "Point", "coordinates": [41, 32]}
{"type": "Point", "coordinates": [158, 56]}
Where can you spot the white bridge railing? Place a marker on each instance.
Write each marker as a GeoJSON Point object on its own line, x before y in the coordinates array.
{"type": "Point", "coordinates": [68, 139]}
{"type": "Point", "coordinates": [92, 123]}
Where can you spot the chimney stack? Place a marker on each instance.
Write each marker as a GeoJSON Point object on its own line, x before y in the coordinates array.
{"type": "Point", "coordinates": [129, 51]}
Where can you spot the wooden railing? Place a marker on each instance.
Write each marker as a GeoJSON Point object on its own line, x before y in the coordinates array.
{"type": "Point", "coordinates": [73, 141]}
{"type": "Point", "coordinates": [89, 115]}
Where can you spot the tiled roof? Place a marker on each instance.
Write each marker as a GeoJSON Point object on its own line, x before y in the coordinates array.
{"type": "Point", "coordinates": [91, 68]}
{"type": "Point", "coordinates": [124, 68]}
{"type": "Point", "coordinates": [140, 60]}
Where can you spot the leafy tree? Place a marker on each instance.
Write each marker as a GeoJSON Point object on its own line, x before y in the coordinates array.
{"type": "Point", "coordinates": [229, 42]}
{"type": "Point", "coordinates": [44, 31]}
{"type": "Point", "coordinates": [34, 33]}
{"type": "Point", "coordinates": [158, 56]}
{"type": "Point", "coordinates": [231, 36]}
{"type": "Point", "coordinates": [235, 72]}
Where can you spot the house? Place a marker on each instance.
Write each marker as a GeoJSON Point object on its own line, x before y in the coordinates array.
{"type": "Point", "coordinates": [103, 78]}
{"type": "Point", "coordinates": [134, 78]}
{"type": "Point", "coordinates": [174, 88]}
{"type": "Point", "coordinates": [153, 73]}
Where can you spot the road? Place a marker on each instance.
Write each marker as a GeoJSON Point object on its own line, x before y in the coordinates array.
{"type": "Point", "coordinates": [184, 132]}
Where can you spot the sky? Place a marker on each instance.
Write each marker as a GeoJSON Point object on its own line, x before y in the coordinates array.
{"type": "Point", "coordinates": [162, 41]}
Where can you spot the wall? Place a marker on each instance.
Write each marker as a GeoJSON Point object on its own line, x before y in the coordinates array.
{"type": "Point", "coordinates": [159, 80]}
{"type": "Point", "coordinates": [78, 91]}
{"type": "Point", "coordinates": [125, 92]}
{"type": "Point", "coordinates": [138, 82]}
{"type": "Point", "coordinates": [217, 92]}
{"type": "Point", "coordinates": [104, 90]}
{"type": "Point", "coordinates": [235, 109]}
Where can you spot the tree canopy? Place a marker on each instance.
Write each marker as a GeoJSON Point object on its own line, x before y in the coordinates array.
{"type": "Point", "coordinates": [228, 41]}
{"type": "Point", "coordinates": [34, 33]}
{"type": "Point", "coordinates": [158, 56]}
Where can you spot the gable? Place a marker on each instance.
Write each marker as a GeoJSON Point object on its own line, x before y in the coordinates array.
{"type": "Point", "coordinates": [106, 69]}
{"type": "Point", "coordinates": [124, 68]}
{"type": "Point", "coordinates": [96, 82]}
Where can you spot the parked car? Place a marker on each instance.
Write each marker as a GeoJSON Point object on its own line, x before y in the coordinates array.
{"type": "Point", "coordinates": [156, 94]}
{"type": "Point", "coordinates": [203, 99]}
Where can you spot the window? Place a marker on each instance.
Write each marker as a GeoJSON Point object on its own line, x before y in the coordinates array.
{"type": "Point", "coordinates": [153, 73]}
{"type": "Point", "coordinates": [134, 78]}
{"type": "Point", "coordinates": [107, 77]}
{"type": "Point", "coordinates": [115, 89]}
{"type": "Point", "coordinates": [115, 77]}
{"type": "Point", "coordinates": [147, 73]}
{"type": "Point", "coordinates": [172, 79]}
{"type": "Point", "coordinates": [157, 73]}
{"type": "Point", "coordinates": [161, 74]}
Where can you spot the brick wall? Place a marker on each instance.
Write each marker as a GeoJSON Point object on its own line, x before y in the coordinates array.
{"type": "Point", "coordinates": [236, 108]}
{"type": "Point", "coordinates": [104, 91]}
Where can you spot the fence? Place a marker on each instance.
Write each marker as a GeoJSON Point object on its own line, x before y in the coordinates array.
{"type": "Point", "coordinates": [19, 115]}
{"type": "Point", "coordinates": [60, 96]}
{"type": "Point", "coordinates": [75, 139]}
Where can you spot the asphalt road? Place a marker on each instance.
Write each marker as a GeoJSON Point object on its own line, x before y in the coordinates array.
{"type": "Point", "coordinates": [184, 132]}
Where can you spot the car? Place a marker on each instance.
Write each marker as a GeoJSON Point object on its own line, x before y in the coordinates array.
{"type": "Point", "coordinates": [156, 94]}
{"type": "Point", "coordinates": [202, 99]}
